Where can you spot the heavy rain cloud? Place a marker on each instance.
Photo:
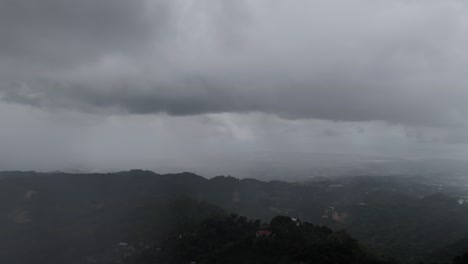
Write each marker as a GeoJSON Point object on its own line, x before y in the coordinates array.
{"type": "Point", "coordinates": [258, 71]}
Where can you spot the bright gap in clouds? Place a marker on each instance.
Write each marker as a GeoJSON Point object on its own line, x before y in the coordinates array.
{"type": "Point", "coordinates": [44, 140]}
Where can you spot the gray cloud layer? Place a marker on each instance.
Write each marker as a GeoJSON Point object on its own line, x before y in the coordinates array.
{"type": "Point", "coordinates": [396, 61]}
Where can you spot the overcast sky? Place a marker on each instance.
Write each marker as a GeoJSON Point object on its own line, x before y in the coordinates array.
{"type": "Point", "coordinates": [119, 84]}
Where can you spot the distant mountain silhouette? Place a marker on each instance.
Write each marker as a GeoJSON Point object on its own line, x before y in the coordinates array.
{"type": "Point", "coordinates": [393, 216]}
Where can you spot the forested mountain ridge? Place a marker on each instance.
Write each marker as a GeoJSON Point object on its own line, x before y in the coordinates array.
{"type": "Point", "coordinates": [370, 208]}
{"type": "Point", "coordinates": [233, 239]}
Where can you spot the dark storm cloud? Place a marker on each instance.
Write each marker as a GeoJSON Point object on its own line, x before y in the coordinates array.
{"type": "Point", "coordinates": [191, 97]}
{"type": "Point", "coordinates": [66, 32]}
{"type": "Point", "coordinates": [355, 61]}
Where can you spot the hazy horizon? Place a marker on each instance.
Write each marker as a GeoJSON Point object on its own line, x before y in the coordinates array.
{"type": "Point", "coordinates": [148, 83]}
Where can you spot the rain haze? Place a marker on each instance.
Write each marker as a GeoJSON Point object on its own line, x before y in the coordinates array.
{"type": "Point", "coordinates": [233, 131]}
{"type": "Point", "coordinates": [173, 85]}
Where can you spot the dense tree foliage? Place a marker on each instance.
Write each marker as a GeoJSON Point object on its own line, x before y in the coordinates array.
{"type": "Point", "coordinates": [463, 259]}
{"type": "Point", "coordinates": [236, 240]}
{"type": "Point", "coordinates": [55, 217]}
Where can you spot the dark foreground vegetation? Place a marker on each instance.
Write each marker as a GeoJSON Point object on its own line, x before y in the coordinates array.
{"type": "Point", "coordinates": [141, 217]}
{"type": "Point", "coordinates": [233, 239]}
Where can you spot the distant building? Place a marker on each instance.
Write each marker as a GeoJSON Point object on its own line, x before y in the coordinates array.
{"type": "Point", "coordinates": [263, 233]}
